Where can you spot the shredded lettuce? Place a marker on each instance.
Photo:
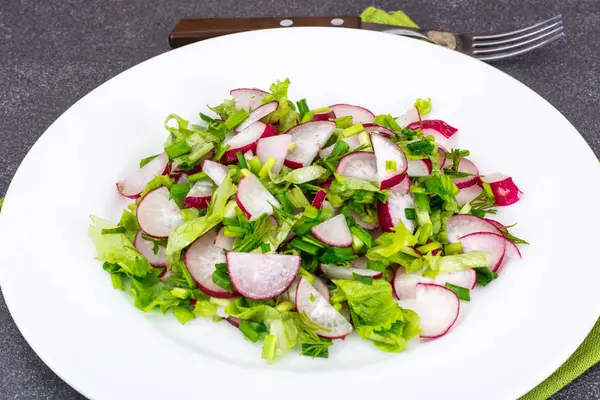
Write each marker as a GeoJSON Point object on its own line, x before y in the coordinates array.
{"type": "Point", "coordinates": [424, 106]}
{"type": "Point", "coordinates": [398, 18]}
{"type": "Point", "coordinates": [459, 262]}
{"type": "Point", "coordinates": [184, 234]}
{"type": "Point", "coordinates": [129, 222]}
{"type": "Point", "coordinates": [285, 116]}
{"type": "Point", "coordinates": [376, 316]}
{"type": "Point", "coordinates": [225, 109]}
{"type": "Point", "coordinates": [156, 182]}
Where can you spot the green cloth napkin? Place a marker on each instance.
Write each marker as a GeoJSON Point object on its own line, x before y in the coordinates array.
{"type": "Point", "coordinates": [588, 352]}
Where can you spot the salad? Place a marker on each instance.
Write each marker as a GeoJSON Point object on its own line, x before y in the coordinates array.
{"type": "Point", "coordinates": [299, 225]}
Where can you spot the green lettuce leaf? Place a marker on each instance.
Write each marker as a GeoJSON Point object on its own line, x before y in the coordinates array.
{"type": "Point", "coordinates": [390, 244]}
{"type": "Point", "coordinates": [459, 262]}
{"type": "Point", "coordinates": [184, 234]}
{"type": "Point", "coordinates": [156, 182]}
{"type": "Point", "coordinates": [129, 222]}
{"type": "Point", "coordinates": [225, 109]}
{"type": "Point", "coordinates": [378, 16]}
{"type": "Point", "coordinates": [285, 116]}
{"type": "Point", "coordinates": [116, 248]}
{"type": "Point", "coordinates": [376, 316]}
{"type": "Point", "coordinates": [424, 106]}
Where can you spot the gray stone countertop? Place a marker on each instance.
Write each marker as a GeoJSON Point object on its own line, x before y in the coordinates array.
{"type": "Point", "coordinates": [55, 51]}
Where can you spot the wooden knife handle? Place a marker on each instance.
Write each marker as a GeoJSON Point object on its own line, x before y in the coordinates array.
{"type": "Point", "coordinates": [195, 29]}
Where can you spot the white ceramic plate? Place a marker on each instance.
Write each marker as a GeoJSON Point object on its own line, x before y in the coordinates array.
{"type": "Point", "coordinates": [514, 333]}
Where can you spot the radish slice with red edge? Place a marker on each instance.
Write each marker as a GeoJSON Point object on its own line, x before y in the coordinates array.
{"type": "Point", "coordinates": [358, 113]}
{"type": "Point", "coordinates": [181, 179]}
{"type": "Point", "coordinates": [351, 141]}
{"type": "Point", "coordinates": [461, 225]}
{"type": "Point", "coordinates": [318, 310]}
{"type": "Point", "coordinates": [146, 248]}
{"type": "Point", "coordinates": [324, 116]}
{"type": "Point", "coordinates": [253, 199]}
{"type": "Point", "coordinates": [403, 187]}
{"type": "Point", "coordinates": [504, 189]}
{"type": "Point", "coordinates": [409, 117]}
{"type": "Point", "coordinates": [369, 128]}
{"type": "Point", "coordinates": [222, 241]}
{"type": "Point", "coordinates": [248, 98]}
{"type": "Point", "coordinates": [276, 147]}
{"type": "Point", "coordinates": [466, 279]}
{"type": "Point", "coordinates": [347, 273]}
{"type": "Point", "coordinates": [175, 171]}
{"type": "Point", "coordinates": [257, 115]}
{"type": "Point", "coordinates": [491, 243]}
{"type": "Point", "coordinates": [469, 194]}
{"type": "Point", "coordinates": [235, 321]}
{"type": "Point", "coordinates": [386, 151]}
{"type": "Point", "coordinates": [437, 307]}
{"type": "Point", "coordinates": [157, 214]}
{"type": "Point", "coordinates": [246, 140]}
{"type": "Point", "coordinates": [392, 212]}
{"type": "Point", "coordinates": [405, 285]}
{"type": "Point", "coordinates": [428, 126]}
{"type": "Point", "coordinates": [309, 137]}
{"type": "Point", "coordinates": [334, 232]}
{"type": "Point", "coordinates": [200, 259]}
{"type": "Point", "coordinates": [358, 220]}
{"type": "Point", "coordinates": [134, 184]}
{"type": "Point", "coordinates": [361, 165]}
{"type": "Point", "coordinates": [262, 276]}
{"type": "Point", "coordinates": [419, 168]}
{"type": "Point", "coordinates": [468, 167]}
{"type": "Point", "coordinates": [318, 200]}
{"type": "Point", "coordinates": [215, 171]}
{"type": "Point", "coordinates": [317, 284]}
{"type": "Point", "coordinates": [199, 195]}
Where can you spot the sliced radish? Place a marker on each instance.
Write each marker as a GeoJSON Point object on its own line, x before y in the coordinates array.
{"type": "Point", "coordinates": [183, 178]}
{"type": "Point", "coordinates": [215, 171]}
{"type": "Point", "coordinates": [235, 321]}
{"type": "Point", "coordinates": [361, 165]}
{"type": "Point", "coordinates": [466, 278]}
{"type": "Point", "coordinates": [256, 115]}
{"type": "Point", "coordinates": [403, 187]}
{"type": "Point", "coordinates": [392, 212]}
{"type": "Point", "coordinates": [199, 195]}
{"type": "Point", "coordinates": [262, 276]}
{"type": "Point", "coordinates": [146, 248]}
{"type": "Point", "coordinates": [318, 200]}
{"type": "Point", "coordinates": [328, 205]}
{"type": "Point", "coordinates": [378, 128]}
{"type": "Point", "coordinates": [491, 243]}
{"type": "Point", "coordinates": [324, 116]}
{"type": "Point", "coordinates": [275, 146]}
{"type": "Point", "coordinates": [495, 223]}
{"type": "Point", "coordinates": [253, 199]}
{"type": "Point", "coordinates": [419, 168]}
{"type": "Point", "coordinates": [135, 183]}
{"type": "Point", "coordinates": [437, 307]}
{"type": "Point", "coordinates": [463, 224]}
{"type": "Point", "coordinates": [511, 253]}
{"type": "Point", "coordinates": [360, 222]}
{"type": "Point", "coordinates": [469, 194]}
{"type": "Point", "coordinates": [504, 189]}
{"type": "Point", "coordinates": [309, 137]}
{"type": "Point", "coordinates": [248, 99]}
{"type": "Point", "coordinates": [347, 273]}
{"type": "Point", "coordinates": [200, 260]}
{"type": "Point", "coordinates": [468, 167]}
{"type": "Point", "coordinates": [429, 126]}
{"type": "Point", "coordinates": [405, 285]}
{"type": "Point", "coordinates": [386, 150]}
{"type": "Point", "coordinates": [334, 232]}
{"type": "Point", "coordinates": [317, 284]}
{"type": "Point", "coordinates": [157, 214]}
{"type": "Point", "coordinates": [249, 155]}
{"type": "Point", "coordinates": [409, 117]}
{"type": "Point", "coordinates": [175, 171]}
{"type": "Point", "coordinates": [358, 113]}
{"type": "Point", "coordinates": [246, 140]}
{"type": "Point", "coordinates": [224, 242]}
{"type": "Point", "coordinates": [351, 141]}
{"type": "Point", "coordinates": [319, 311]}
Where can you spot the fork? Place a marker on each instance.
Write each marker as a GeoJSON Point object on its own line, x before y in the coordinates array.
{"type": "Point", "coordinates": [485, 47]}
{"type": "Point", "coordinates": [492, 46]}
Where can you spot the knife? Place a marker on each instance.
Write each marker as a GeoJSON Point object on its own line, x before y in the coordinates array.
{"type": "Point", "coordinates": [192, 30]}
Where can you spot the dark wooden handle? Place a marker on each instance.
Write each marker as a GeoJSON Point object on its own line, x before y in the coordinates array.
{"type": "Point", "coordinates": [195, 29]}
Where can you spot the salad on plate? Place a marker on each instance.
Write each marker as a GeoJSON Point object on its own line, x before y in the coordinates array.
{"type": "Point", "coordinates": [300, 225]}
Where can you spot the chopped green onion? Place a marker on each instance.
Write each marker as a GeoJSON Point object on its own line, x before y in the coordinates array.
{"type": "Point", "coordinates": [301, 245]}
{"type": "Point", "coordinates": [220, 302]}
{"type": "Point", "coordinates": [221, 277]}
{"type": "Point", "coordinates": [429, 247]}
{"type": "Point", "coordinates": [269, 164]}
{"type": "Point", "coordinates": [198, 176]}
{"type": "Point", "coordinates": [365, 140]}
{"type": "Point", "coordinates": [178, 192]}
{"type": "Point", "coordinates": [117, 281]}
{"type": "Point", "coordinates": [485, 275]}
{"type": "Point", "coordinates": [265, 248]}
{"type": "Point", "coordinates": [340, 148]}
{"type": "Point", "coordinates": [423, 232]}
{"type": "Point", "coordinates": [390, 165]}
{"type": "Point", "coordinates": [314, 350]}
{"type": "Point", "coordinates": [206, 118]}
{"type": "Point", "coordinates": [337, 306]}
{"type": "Point", "coordinates": [302, 107]}
{"type": "Point", "coordinates": [321, 110]}
{"type": "Point", "coordinates": [335, 255]}
{"type": "Point", "coordinates": [461, 292]}
{"type": "Point", "coordinates": [180, 293]}
{"type": "Point", "coordinates": [252, 330]}
{"type": "Point", "coordinates": [410, 213]}
{"type": "Point", "coordinates": [178, 149]}
{"type": "Point", "coordinates": [423, 146]}
{"type": "Point", "coordinates": [183, 314]}
{"type": "Point", "coordinates": [488, 190]}
{"type": "Point", "coordinates": [363, 235]}
{"type": "Point", "coordinates": [307, 275]}
{"type": "Point", "coordinates": [376, 266]}
{"type": "Point", "coordinates": [297, 198]}
{"type": "Point", "coordinates": [146, 160]}
{"type": "Point", "coordinates": [234, 231]}
{"type": "Point", "coordinates": [307, 117]}
{"type": "Point", "coordinates": [367, 280]}
{"type": "Point", "coordinates": [357, 244]}
{"type": "Point", "coordinates": [308, 238]}
{"type": "Point", "coordinates": [343, 122]}
{"type": "Point", "coordinates": [292, 146]}
{"type": "Point", "coordinates": [312, 298]}
{"type": "Point", "coordinates": [219, 154]}
{"type": "Point", "coordinates": [236, 118]}
{"type": "Point", "coordinates": [453, 248]}
{"type": "Point", "coordinates": [241, 160]}
{"type": "Point", "coordinates": [465, 209]}
{"type": "Point", "coordinates": [353, 130]}
{"type": "Point", "coordinates": [285, 306]}
{"type": "Point", "coordinates": [285, 202]}
{"type": "Point", "coordinates": [110, 231]}
{"type": "Point", "coordinates": [254, 165]}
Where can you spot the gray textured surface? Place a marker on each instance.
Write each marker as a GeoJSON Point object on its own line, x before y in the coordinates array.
{"type": "Point", "coordinates": [54, 52]}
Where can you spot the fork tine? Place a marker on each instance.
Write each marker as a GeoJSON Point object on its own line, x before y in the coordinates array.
{"type": "Point", "coordinates": [506, 54]}
{"type": "Point", "coordinates": [489, 43]}
{"type": "Point", "coordinates": [515, 32]}
{"type": "Point", "coordinates": [498, 49]}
